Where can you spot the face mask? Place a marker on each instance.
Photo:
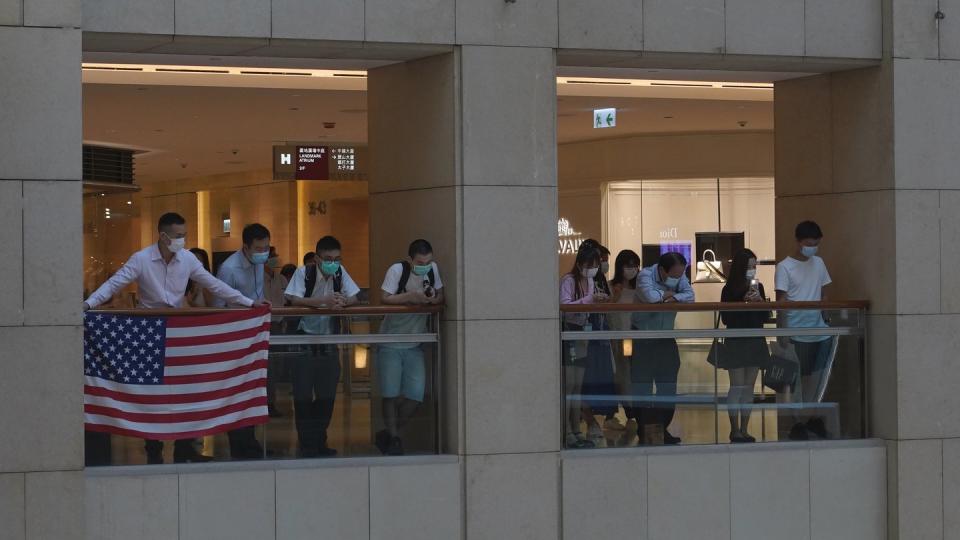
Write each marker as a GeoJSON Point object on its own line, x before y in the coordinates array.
{"type": "Point", "coordinates": [808, 251]}
{"type": "Point", "coordinates": [176, 244]}
{"type": "Point", "coordinates": [630, 273]}
{"type": "Point", "coordinates": [589, 272]}
{"type": "Point", "coordinates": [329, 268]}
{"type": "Point", "coordinates": [273, 262]}
{"type": "Point", "coordinates": [604, 267]}
{"type": "Point", "coordinates": [422, 269]}
{"type": "Point", "coordinates": [671, 282]}
{"type": "Point", "coordinates": [259, 257]}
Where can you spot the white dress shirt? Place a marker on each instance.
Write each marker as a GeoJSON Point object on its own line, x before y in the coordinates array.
{"type": "Point", "coordinates": [162, 284]}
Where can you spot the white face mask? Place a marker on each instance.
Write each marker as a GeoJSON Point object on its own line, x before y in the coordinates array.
{"type": "Point", "coordinates": [176, 244]}
{"type": "Point", "coordinates": [751, 273]}
{"type": "Point", "coordinates": [589, 272]}
{"type": "Point", "coordinates": [604, 267]}
{"type": "Point", "coordinates": [808, 251]}
{"type": "Point", "coordinates": [630, 273]}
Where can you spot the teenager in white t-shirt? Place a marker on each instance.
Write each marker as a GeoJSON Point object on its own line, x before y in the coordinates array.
{"type": "Point", "coordinates": [317, 373]}
{"type": "Point", "coordinates": [400, 366]}
{"type": "Point", "coordinates": [802, 277]}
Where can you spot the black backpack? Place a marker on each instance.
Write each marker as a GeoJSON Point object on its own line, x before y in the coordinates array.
{"type": "Point", "coordinates": [338, 324]}
{"type": "Point", "coordinates": [430, 278]}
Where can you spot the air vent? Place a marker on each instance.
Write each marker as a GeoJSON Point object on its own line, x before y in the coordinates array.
{"type": "Point", "coordinates": [301, 73]}
{"type": "Point", "coordinates": [186, 70]}
{"type": "Point", "coordinates": [354, 75]}
{"type": "Point", "coordinates": [608, 83]}
{"type": "Point", "coordinates": [755, 86]}
{"type": "Point", "coordinates": [103, 164]}
{"type": "Point", "coordinates": [683, 85]}
{"type": "Point", "coordinates": [112, 68]}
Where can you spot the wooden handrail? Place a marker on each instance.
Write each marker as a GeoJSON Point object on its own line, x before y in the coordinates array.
{"type": "Point", "coordinates": [712, 306]}
{"type": "Point", "coordinates": [280, 311]}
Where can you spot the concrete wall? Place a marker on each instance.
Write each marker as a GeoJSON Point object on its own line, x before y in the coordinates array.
{"type": "Point", "coordinates": [41, 455]}
{"type": "Point", "coordinates": [871, 154]}
{"type": "Point", "coordinates": [799, 28]}
{"type": "Point", "coordinates": [473, 150]}
{"type": "Point", "coordinates": [714, 492]}
{"type": "Point", "coordinates": [343, 500]}
{"type": "Point", "coordinates": [784, 491]}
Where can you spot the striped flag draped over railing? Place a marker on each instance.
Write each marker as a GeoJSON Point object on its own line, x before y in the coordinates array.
{"type": "Point", "coordinates": [175, 377]}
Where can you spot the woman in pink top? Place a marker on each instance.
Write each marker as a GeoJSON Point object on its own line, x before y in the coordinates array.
{"type": "Point", "coordinates": [576, 287]}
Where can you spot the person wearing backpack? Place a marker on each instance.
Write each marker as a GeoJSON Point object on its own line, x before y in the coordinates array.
{"type": "Point", "coordinates": [400, 366]}
{"type": "Point", "coordinates": [325, 284]}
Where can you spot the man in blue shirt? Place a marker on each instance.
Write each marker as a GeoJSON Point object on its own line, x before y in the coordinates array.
{"type": "Point", "coordinates": [244, 272]}
{"type": "Point", "coordinates": [657, 361]}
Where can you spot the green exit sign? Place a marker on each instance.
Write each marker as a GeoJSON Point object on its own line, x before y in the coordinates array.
{"type": "Point", "coordinates": [604, 118]}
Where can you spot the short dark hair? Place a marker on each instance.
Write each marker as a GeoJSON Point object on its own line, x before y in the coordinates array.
{"type": "Point", "coordinates": [419, 247]}
{"type": "Point", "coordinates": [670, 259]}
{"type": "Point", "coordinates": [808, 230]}
{"type": "Point", "coordinates": [254, 231]}
{"type": "Point", "coordinates": [288, 270]}
{"type": "Point", "coordinates": [308, 258]}
{"type": "Point", "coordinates": [328, 243]}
{"type": "Point", "coordinates": [168, 219]}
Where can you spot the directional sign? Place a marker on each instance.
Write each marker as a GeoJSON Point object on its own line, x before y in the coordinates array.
{"type": "Point", "coordinates": [604, 118]}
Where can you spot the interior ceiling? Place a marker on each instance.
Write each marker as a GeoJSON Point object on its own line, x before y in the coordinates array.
{"type": "Point", "coordinates": [183, 130]}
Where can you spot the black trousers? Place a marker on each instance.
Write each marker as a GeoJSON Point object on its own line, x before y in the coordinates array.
{"type": "Point", "coordinates": [179, 446]}
{"type": "Point", "coordinates": [244, 444]}
{"type": "Point", "coordinates": [315, 380]}
{"type": "Point", "coordinates": [656, 362]}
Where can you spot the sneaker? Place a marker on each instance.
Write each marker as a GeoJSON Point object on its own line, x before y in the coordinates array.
{"type": "Point", "coordinates": [382, 440]}
{"type": "Point", "coordinates": [190, 456]}
{"type": "Point", "coordinates": [154, 458]}
{"type": "Point", "coordinates": [799, 433]}
{"type": "Point", "coordinates": [613, 423]}
{"type": "Point", "coordinates": [818, 428]}
{"type": "Point", "coordinates": [594, 432]}
{"type": "Point", "coordinates": [396, 447]}
{"type": "Point", "coordinates": [576, 441]}
{"type": "Point", "coordinates": [749, 438]}
{"type": "Point", "coordinates": [325, 451]}
{"type": "Point", "coordinates": [736, 437]}
{"type": "Point", "coordinates": [670, 439]}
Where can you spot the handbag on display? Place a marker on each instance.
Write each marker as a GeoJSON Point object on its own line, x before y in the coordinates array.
{"type": "Point", "coordinates": [709, 270]}
{"type": "Point", "coordinates": [783, 368]}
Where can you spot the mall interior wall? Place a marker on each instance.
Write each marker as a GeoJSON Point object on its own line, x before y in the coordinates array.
{"type": "Point", "coordinates": [868, 153]}
{"type": "Point", "coordinates": [504, 475]}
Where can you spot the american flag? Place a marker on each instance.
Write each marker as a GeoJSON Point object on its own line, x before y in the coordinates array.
{"type": "Point", "coordinates": [175, 377]}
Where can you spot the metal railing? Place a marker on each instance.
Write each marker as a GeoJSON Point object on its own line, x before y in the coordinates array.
{"type": "Point", "coordinates": [358, 330]}
{"type": "Point", "coordinates": [701, 382]}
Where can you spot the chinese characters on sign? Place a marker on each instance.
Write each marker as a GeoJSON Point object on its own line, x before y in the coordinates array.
{"type": "Point", "coordinates": [344, 158]}
{"type": "Point", "coordinates": [318, 162]}
{"type": "Point", "coordinates": [569, 239]}
{"type": "Point", "coordinates": [312, 163]}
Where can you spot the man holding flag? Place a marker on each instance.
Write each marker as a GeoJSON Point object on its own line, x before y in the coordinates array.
{"type": "Point", "coordinates": [127, 370]}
